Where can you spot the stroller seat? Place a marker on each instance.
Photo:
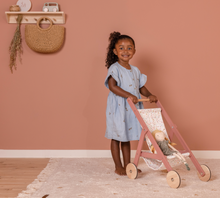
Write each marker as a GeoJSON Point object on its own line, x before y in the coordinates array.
{"type": "Point", "coordinates": [154, 121]}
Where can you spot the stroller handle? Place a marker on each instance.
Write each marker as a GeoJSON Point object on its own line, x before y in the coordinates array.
{"type": "Point", "coordinates": [144, 100]}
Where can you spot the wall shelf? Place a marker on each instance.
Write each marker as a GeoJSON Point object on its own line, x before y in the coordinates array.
{"type": "Point", "coordinates": [32, 17]}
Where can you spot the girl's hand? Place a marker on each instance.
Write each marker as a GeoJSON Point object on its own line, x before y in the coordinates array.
{"type": "Point", "coordinates": [133, 98]}
{"type": "Point", "coordinates": [152, 98]}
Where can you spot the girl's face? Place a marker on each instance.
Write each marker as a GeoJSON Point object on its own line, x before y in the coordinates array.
{"type": "Point", "coordinates": [160, 136]}
{"type": "Point", "coordinates": [125, 50]}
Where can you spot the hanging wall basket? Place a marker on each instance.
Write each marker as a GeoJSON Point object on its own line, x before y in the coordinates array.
{"type": "Point", "coordinates": [44, 40]}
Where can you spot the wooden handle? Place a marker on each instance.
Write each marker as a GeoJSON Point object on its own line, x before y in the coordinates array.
{"type": "Point", "coordinates": [144, 100]}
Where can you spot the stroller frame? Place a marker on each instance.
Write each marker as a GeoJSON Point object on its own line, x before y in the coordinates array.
{"type": "Point", "coordinates": [204, 172]}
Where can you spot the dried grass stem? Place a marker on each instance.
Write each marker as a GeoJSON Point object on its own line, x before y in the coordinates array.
{"type": "Point", "coordinates": [15, 47]}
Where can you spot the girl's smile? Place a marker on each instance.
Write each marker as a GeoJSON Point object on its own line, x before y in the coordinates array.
{"type": "Point", "coordinates": [125, 50]}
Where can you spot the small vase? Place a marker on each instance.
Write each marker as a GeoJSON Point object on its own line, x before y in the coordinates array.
{"type": "Point", "coordinates": [14, 8]}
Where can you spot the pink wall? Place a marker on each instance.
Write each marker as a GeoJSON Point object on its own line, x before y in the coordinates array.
{"type": "Point", "coordinates": [58, 101]}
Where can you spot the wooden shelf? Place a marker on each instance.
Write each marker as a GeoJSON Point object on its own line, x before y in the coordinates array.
{"type": "Point", "coordinates": [32, 17]}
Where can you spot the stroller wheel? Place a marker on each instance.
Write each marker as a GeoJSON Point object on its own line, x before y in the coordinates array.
{"type": "Point", "coordinates": [207, 171]}
{"type": "Point", "coordinates": [131, 171]}
{"type": "Point", "coordinates": [173, 179]}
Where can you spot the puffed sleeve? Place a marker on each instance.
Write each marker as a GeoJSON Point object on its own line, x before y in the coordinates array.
{"type": "Point", "coordinates": [142, 79]}
{"type": "Point", "coordinates": [113, 71]}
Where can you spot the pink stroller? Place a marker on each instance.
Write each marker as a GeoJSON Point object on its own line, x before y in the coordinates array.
{"type": "Point", "coordinates": [173, 178]}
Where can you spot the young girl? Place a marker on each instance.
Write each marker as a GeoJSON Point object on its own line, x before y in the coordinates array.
{"type": "Point", "coordinates": [124, 81]}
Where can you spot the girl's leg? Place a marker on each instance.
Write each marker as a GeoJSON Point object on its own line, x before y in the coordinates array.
{"type": "Point", "coordinates": [126, 151]}
{"type": "Point", "coordinates": [115, 150]}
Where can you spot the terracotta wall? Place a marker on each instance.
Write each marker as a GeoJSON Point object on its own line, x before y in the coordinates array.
{"type": "Point", "coordinates": [58, 101]}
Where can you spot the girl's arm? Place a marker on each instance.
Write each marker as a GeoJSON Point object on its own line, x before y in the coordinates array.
{"type": "Point", "coordinates": [119, 91]}
{"type": "Point", "coordinates": [145, 92]}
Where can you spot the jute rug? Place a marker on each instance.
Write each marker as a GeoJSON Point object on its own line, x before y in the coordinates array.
{"type": "Point", "coordinates": [95, 178]}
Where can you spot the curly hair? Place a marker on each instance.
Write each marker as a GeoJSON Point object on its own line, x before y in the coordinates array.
{"type": "Point", "coordinates": [114, 38]}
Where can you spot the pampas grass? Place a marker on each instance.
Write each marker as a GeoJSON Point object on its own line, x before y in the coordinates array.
{"type": "Point", "coordinates": [15, 47]}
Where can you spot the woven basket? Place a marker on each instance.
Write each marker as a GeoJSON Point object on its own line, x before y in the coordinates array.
{"type": "Point", "coordinates": [44, 40]}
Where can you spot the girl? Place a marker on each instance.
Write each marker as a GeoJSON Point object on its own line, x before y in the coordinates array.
{"type": "Point", "coordinates": [124, 81]}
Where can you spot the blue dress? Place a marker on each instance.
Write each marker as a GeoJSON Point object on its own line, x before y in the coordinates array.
{"type": "Point", "coordinates": [121, 122]}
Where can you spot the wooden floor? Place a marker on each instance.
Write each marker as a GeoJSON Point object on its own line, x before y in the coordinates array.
{"type": "Point", "coordinates": [17, 173]}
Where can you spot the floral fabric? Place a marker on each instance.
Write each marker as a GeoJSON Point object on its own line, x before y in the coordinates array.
{"type": "Point", "coordinates": [154, 121]}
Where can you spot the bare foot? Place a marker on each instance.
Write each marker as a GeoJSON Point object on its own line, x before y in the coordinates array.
{"type": "Point", "coordinates": [120, 171]}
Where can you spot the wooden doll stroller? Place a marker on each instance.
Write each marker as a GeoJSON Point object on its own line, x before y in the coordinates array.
{"type": "Point", "coordinates": [173, 178]}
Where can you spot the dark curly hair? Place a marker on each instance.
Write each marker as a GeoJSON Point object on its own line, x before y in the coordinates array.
{"type": "Point", "coordinates": [114, 38]}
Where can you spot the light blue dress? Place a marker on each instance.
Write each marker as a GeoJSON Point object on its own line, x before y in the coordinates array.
{"type": "Point", "coordinates": [121, 122]}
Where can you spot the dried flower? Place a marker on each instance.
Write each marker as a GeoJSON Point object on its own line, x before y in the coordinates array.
{"type": "Point", "coordinates": [15, 47]}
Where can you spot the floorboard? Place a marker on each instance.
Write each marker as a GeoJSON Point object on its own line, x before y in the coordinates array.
{"type": "Point", "coordinates": [17, 173]}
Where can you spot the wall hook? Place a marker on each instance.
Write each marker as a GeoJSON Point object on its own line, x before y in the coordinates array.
{"type": "Point", "coordinates": [32, 17]}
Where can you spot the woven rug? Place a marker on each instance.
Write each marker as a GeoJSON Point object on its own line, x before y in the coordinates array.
{"type": "Point", "coordinates": [95, 178]}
